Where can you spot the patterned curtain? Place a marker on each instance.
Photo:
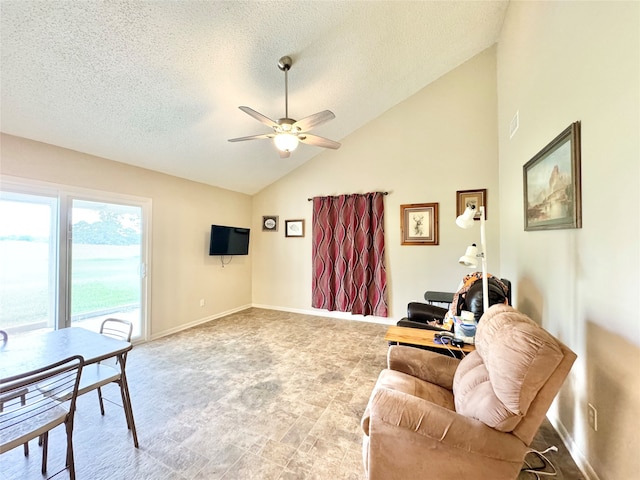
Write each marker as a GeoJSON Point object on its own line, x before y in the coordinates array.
{"type": "Point", "coordinates": [348, 254]}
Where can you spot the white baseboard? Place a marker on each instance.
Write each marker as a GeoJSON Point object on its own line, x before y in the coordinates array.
{"type": "Point", "coordinates": [326, 313]}
{"type": "Point", "coordinates": [315, 312]}
{"type": "Point", "coordinates": [200, 321]}
{"type": "Point", "coordinates": [576, 454]}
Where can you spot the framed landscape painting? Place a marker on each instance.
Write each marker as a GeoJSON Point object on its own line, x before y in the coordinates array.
{"type": "Point", "coordinates": [552, 184]}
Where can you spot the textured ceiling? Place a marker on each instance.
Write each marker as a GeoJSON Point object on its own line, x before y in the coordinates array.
{"type": "Point", "coordinates": [157, 84]}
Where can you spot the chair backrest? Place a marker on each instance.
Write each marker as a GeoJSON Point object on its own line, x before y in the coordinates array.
{"type": "Point", "coordinates": [469, 295]}
{"type": "Point", "coordinates": [27, 416]}
{"type": "Point", "coordinates": [116, 328]}
{"type": "Point", "coordinates": [509, 382]}
{"type": "Point", "coordinates": [499, 290]}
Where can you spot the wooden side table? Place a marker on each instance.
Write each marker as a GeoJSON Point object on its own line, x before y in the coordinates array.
{"type": "Point", "coordinates": [424, 338]}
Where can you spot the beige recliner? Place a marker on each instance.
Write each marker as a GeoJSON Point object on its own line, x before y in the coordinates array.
{"type": "Point", "coordinates": [436, 417]}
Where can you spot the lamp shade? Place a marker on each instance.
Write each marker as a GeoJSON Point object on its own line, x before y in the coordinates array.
{"type": "Point", "coordinates": [286, 142]}
{"type": "Point", "coordinates": [470, 257]}
{"type": "Point", "coordinates": [466, 219]}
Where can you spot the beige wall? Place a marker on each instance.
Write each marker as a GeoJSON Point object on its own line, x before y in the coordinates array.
{"type": "Point", "coordinates": [181, 271]}
{"type": "Point", "coordinates": [441, 140]}
{"type": "Point", "coordinates": [559, 62]}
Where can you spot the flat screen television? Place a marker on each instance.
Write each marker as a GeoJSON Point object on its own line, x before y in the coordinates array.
{"type": "Point", "coordinates": [229, 240]}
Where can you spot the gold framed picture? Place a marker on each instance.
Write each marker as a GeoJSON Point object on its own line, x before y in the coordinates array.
{"type": "Point", "coordinates": [552, 184]}
{"type": "Point", "coordinates": [467, 198]}
{"type": "Point", "coordinates": [419, 224]}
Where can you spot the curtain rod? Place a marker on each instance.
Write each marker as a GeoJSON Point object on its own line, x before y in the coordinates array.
{"type": "Point", "coordinates": [384, 193]}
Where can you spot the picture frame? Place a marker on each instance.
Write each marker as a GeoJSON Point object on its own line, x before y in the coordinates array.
{"type": "Point", "coordinates": [294, 228]}
{"type": "Point", "coordinates": [419, 224]}
{"type": "Point", "coordinates": [552, 184]}
{"type": "Point", "coordinates": [270, 223]}
{"type": "Point", "coordinates": [478, 197]}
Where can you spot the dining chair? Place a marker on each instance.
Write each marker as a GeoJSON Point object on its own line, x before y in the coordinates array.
{"type": "Point", "coordinates": [120, 330]}
{"type": "Point", "coordinates": [19, 393]}
{"type": "Point", "coordinates": [38, 414]}
{"type": "Point", "coordinates": [97, 375]}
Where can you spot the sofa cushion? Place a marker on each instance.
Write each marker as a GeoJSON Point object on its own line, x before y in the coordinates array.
{"type": "Point", "coordinates": [514, 357]}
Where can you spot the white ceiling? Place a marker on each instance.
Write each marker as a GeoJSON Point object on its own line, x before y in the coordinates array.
{"type": "Point", "coordinates": [157, 84]}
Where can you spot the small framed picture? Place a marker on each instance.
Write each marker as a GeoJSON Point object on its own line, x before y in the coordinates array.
{"type": "Point", "coordinates": [270, 223]}
{"type": "Point", "coordinates": [466, 198]}
{"type": "Point", "coordinates": [294, 228]}
{"type": "Point", "coordinates": [419, 224]}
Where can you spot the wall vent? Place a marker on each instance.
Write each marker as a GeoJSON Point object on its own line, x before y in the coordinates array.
{"type": "Point", "coordinates": [515, 123]}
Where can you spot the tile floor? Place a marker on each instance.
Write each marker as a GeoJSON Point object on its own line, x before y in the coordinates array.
{"type": "Point", "coordinates": [259, 394]}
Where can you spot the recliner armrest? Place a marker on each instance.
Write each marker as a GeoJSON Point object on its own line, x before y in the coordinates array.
{"type": "Point", "coordinates": [406, 414]}
{"type": "Point", "coordinates": [405, 322]}
{"type": "Point", "coordinates": [426, 365]}
{"type": "Point", "coordinates": [424, 312]}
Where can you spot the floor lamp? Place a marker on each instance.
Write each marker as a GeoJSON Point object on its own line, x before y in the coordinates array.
{"type": "Point", "coordinates": [470, 258]}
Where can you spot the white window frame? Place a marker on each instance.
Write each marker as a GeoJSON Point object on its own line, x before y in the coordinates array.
{"type": "Point", "coordinates": [65, 194]}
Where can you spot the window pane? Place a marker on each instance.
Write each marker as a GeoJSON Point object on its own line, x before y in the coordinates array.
{"type": "Point", "coordinates": [105, 263]}
{"type": "Point", "coordinates": [28, 262]}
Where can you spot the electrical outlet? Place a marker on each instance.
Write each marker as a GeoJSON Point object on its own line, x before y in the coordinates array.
{"type": "Point", "coordinates": [593, 417]}
{"type": "Point", "coordinates": [202, 302]}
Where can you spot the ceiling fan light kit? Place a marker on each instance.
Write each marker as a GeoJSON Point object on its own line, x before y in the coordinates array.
{"type": "Point", "coordinates": [287, 132]}
{"type": "Point", "coordinates": [286, 142]}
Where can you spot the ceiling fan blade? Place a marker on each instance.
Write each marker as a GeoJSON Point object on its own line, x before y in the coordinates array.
{"type": "Point", "coordinates": [252, 137]}
{"type": "Point", "coordinates": [318, 141]}
{"type": "Point", "coordinates": [258, 116]}
{"type": "Point", "coordinates": [307, 123]}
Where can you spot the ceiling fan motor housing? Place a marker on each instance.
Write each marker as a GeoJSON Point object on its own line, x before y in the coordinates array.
{"type": "Point", "coordinates": [285, 63]}
{"type": "Point", "coordinates": [286, 125]}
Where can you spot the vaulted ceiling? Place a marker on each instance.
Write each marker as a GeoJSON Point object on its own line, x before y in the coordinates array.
{"type": "Point", "coordinates": [157, 84]}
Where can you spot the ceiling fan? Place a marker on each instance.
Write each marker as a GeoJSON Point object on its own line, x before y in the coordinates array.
{"type": "Point", "coordinates": [287, 132]}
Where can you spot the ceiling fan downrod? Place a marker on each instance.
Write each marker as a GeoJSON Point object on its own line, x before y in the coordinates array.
{"type": "Point", "coordinates": [284, 64]}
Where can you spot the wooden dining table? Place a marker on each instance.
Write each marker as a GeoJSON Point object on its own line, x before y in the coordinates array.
{"type": "Point", "coordinates": [25, 353]}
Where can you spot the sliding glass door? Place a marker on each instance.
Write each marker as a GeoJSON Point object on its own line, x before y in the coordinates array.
{"type": "Point", "coordinates": [28, 259]}
{"type": "Point", "coordinates": [70, 258]}
{"type": "Point", "coordinates": [106, 263]}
